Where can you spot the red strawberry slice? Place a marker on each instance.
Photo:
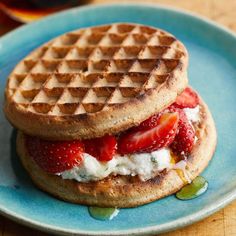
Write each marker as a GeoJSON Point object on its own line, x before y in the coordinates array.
{"type": "Point", "coordinates": [54, 156]}
{"type": "Point", "coordinates": [103, 148]}
{"type": "Point", "coordinates": [187, 99]}
{"type": "Point", "coordinates": [149, 123]}
{"type": "Point", "coordinates": [150, 140]}
{"type": "Point", "coordinates": [184, 139]}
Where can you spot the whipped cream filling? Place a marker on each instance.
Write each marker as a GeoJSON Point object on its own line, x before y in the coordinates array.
{"type": "Point", "coordinates": [145, 165]}
{"type": "Point", "coordinates": [193, 114]}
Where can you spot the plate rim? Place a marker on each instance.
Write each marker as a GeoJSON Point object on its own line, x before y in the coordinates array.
{"type": "Point", "coordinates": [173, 225]}
{"type": "Point", "coordinates": [181, 222]}
{"type": "Point", "coordinates": [189, 13]}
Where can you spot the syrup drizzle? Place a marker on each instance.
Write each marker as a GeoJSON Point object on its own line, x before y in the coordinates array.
{"type": "Point", "coordinates": [100, 213]}
{"type": "Point", "coordinates": [198, 186]}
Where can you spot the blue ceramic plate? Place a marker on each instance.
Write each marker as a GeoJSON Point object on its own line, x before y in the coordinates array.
{"type": "Point", "coordinates": [212, 72]}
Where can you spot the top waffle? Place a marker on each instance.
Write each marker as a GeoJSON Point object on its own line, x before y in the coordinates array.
{"type": "Point", "coordinates": [94, 81]}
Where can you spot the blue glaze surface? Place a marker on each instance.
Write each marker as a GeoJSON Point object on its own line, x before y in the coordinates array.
{"type": "Point", "coordinates": [212, 72]}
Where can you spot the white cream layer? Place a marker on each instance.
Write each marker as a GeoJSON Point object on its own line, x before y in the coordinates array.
{"type": "Point", "coordinates": [193, 114]}
{"type": "Point", "coordinates": [145, 165]}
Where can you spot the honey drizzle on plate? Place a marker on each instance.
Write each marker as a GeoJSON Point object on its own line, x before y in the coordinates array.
{"type": "Point", "coordinates": [175, 159]}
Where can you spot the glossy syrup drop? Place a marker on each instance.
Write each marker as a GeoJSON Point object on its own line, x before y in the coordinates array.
{"type": "Point", "coordinates": [100, 213]}
{"type": "Point", "coordinates": [193, 190]}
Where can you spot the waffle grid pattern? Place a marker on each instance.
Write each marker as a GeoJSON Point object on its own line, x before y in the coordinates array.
{"type": "Point", "coordinates": [88, 70]}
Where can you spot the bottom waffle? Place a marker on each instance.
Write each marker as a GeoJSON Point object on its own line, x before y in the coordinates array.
{"type": "Point", "coordinates": [126, 191]}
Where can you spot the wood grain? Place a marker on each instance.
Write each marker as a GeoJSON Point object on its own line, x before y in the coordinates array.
{"type": "Point", "coordinates": [222, 223]}
{"type": "Point", "coordinates": [224, 12]}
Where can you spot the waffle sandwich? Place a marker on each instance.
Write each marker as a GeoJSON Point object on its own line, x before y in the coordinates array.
{"type": "Point", "coordinates": [99, 107]}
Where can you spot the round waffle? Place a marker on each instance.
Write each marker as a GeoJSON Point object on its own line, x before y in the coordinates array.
{"type": "Point", "coordinates": [94, 81]}
{"type": "Point", "coordinates": [126, 191]}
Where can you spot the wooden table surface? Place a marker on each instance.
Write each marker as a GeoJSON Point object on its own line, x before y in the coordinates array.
{"type": "Point", "coordinates": [220, 223]}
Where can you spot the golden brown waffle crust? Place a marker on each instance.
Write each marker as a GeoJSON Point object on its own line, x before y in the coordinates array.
{"type": "Point", "coordinates": [53, 93]}
{"type": "Point", "coordinates": [126, 191]}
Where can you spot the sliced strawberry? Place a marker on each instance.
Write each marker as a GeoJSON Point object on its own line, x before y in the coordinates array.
{"type": "Point", "coordinates": [54, 156]}
{"type": "Point", "coordinates": [184, 139]}
{"type": "Point", "coordinates": [103, 148]}
{"type": "Point", "coordinates": [149, 123]}
{"type": "Point", "coordinates": [150, 140]}
{"type": "Point", "coordinates": [187, 99]}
